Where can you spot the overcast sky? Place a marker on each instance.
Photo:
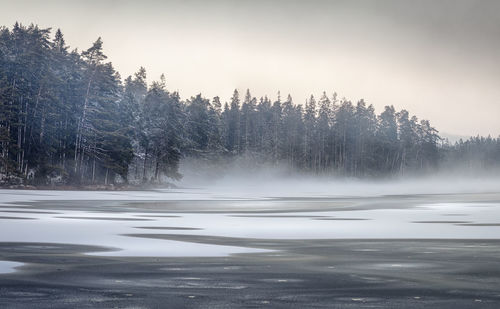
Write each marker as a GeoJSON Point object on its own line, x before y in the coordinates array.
{"type": "Point", "coordinates": [438, 59]}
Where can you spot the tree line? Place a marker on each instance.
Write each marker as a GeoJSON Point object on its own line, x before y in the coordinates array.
{"type": "Point", "coordinates": [66, 116]}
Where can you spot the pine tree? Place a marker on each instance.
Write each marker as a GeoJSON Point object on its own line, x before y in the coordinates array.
{"type": "Point", "coordinates": [232, 119]}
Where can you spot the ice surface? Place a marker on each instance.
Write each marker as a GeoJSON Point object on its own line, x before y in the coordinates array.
{"type": "Point", "coordinates": [106, 233]}
{"type": "Point", "coordinates": [8, 266]}
{"type": "Point", "coordinates": [400, 217]}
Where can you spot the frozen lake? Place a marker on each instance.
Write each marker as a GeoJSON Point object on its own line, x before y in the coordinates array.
{"type": "Point", "coordinates": [129, 223]}
{"type": "Point", "coordinates": [376, 246]}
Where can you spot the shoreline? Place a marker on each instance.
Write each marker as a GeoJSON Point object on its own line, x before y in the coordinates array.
{"type": "Point", "coordinates": [127, 187]}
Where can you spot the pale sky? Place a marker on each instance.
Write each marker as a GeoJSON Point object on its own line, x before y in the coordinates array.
{"type": "Point", "coordinates": [438, 59]}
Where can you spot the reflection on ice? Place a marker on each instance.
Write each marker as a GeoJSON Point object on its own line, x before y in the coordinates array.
{"type": "Point", "coordinates": [397, 265]}
{"type": "Point", "coordinates": [8, 266]}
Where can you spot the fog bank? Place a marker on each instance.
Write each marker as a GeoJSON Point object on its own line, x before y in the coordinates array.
{"type": "Point", "coordinates": [241, 178]}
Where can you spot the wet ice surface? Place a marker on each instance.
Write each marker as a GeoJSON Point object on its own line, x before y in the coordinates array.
{"type": "Point", "coordinates": [112, 219]}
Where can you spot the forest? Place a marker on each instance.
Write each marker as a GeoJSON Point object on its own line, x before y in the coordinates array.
{"type": "Point", "coordinates": [67, 117]}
